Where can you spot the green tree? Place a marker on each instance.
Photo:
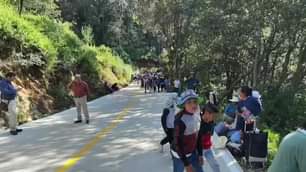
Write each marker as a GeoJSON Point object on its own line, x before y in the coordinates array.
{"type": "Point", "coordinates": [87, 35]}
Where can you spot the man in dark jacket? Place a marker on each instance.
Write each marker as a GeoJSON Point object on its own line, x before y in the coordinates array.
{"type": "Point", "coordinates": [8, 97]}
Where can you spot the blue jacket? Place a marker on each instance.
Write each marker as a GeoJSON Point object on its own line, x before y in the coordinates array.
{"type": "Point", "coordinates": [252, 104]}
{"type": "Point", "coordinates": [192, 83]}
{"type": "Point", "coordinates": [8, 91]}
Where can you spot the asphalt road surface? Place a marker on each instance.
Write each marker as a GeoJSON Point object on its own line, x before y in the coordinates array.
{"type": "Point", "coordinates": [123, 136]}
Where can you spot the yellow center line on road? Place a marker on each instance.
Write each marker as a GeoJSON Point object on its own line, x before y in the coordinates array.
{"type": "Point", "coordinates": [75, 158]}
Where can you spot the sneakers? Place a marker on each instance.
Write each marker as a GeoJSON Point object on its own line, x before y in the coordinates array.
{"type": "Point", "coordinates": [14, 133]}
{"type": "Point", "coordinates": [78, 121]}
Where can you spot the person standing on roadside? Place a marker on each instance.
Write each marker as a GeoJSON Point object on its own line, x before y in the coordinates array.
{"type": "Point", "coordinates": [8, 101]}
{"type": "Point", "coordinates": [205, 136]}
{"type": "Point", "coordinates": [184, 147]}
{"type": "Point", "coordinates": [80, 92]}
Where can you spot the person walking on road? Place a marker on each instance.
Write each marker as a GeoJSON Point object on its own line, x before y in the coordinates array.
{"type": "Point", "coordinates": [205, 134]}
{"type": "Point", "coordinates": [80, 92]}
{"type": "Point", "coordinates": [8, 101]}
{"type": "Point", "coordinates": [184, 147]}
{"type": "Point", "coordinates": [177, 85]}
{"type": "Point", "coordinates": [167, 121]}
{"type": "Point", "coordinates": [193, 83]}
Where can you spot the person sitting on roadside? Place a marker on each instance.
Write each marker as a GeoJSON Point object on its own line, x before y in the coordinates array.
{"type": "Point", "coordinates": [8, 98]}
{"type": "Point", "coordinates": [243, 112]}
{"type": "Point", "coordinates": [248, 107]}
{"type": "Point", "coordinates": [228, 126]}
{"type": "Point", "coordinates": [115, 87]}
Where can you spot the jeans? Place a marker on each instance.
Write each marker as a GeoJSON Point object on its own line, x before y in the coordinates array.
{"type": "Point", "coordinates": [178, 165]}
{"type": "Point", "coordinates": [210, 157]}
{"type": "Point", "coordinates": [81, 104]}
{"type": "Point", "coordinates": [12, 114]}
{"type": "Point", "coordinates": [233, 134]}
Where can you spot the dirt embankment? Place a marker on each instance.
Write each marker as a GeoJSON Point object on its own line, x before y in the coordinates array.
{"type": "Point", "coordinates": [43, 92]}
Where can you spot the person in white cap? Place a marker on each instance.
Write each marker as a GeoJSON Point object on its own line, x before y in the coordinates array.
{"type": "Point", "coordinates": [80, 92]}
{"type": "Point", "coordinates": [228, 126]}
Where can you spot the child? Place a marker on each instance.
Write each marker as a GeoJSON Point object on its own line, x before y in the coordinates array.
{"type": "Point", "coordinates": [204, 136]}
{"type": "Point", "coordinates": [183, 149]}
{"type": "Point", "coordinates": [167, 121]}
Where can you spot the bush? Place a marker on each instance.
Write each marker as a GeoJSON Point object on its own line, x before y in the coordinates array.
{"type": "Point", "coordinates": [284, 111]}
{"type": "Point", "coordinates": [63, 38]}
{"type": "Point", "coordinates": [273, 144]}
{"type": "Point", "coordinates": [14, 26]}
{"type": "Point", "coordinates": [61, 95]}
{"type": "Point", "coordinates": [104, 65]}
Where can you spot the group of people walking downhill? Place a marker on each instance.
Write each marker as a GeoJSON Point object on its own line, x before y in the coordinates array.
{"type": "Point", "coordinates": [189, 142]}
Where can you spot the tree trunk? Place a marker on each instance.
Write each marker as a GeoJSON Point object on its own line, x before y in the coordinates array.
{"type": "Point", "coordinates": [20, 6]}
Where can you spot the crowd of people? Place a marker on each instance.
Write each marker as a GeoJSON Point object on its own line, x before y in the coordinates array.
{"type": "Point", "coordinates": [153, 82]}
{"type": "Point", "coordinates": [189, 130]}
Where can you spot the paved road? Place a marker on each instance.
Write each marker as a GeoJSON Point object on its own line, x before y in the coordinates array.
{"type": "Point", "coordinates": [122, 137]}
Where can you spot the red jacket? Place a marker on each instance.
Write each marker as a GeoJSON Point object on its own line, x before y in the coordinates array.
{"type": "Point", "coordinates": [206, 141]}
{"type": "Point", "coordinates": [79, 88]}
{"type": "Point", "coordinates": [204, 136]}
{"type": "Point", "coordinates": [185, 135]}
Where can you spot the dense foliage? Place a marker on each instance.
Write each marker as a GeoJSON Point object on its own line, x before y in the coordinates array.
{"type": "Point", "coordinates": [45, 52]}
